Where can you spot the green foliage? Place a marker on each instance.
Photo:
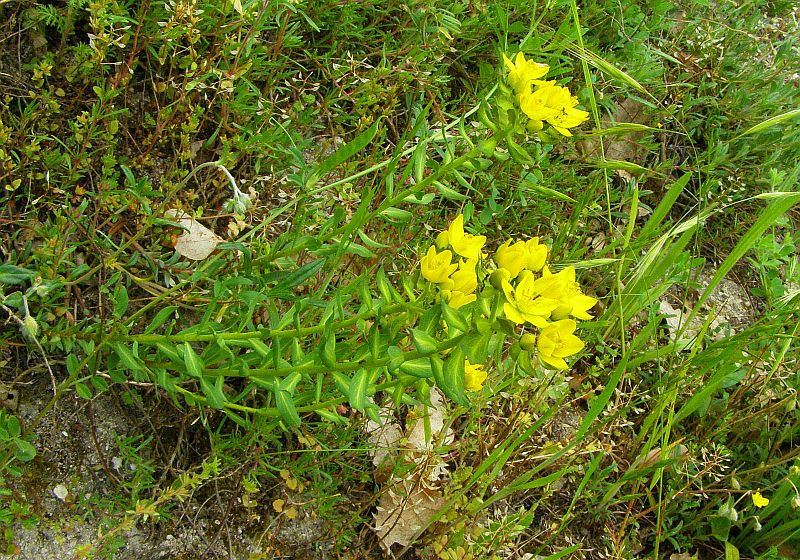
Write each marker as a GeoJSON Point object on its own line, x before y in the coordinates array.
{"type": "Point", "coordinates": [342, 136]}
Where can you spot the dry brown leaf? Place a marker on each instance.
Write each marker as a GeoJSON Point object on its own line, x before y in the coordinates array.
{"type": "Point", "coordinates": [384, 440]}
{"type": "Point", "coordinates": [416, 432]}
{"type": "Point", "coordinates": [197, 242]}
{"type": "Point", "coordinates": [404, 511]}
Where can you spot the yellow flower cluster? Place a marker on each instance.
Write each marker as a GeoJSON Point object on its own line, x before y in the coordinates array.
{"type": "Point", "coordinates": [541, 100]}
{"type": "Point", "coordinates": [457, 280]}
{"type": "Point", "coordinates": [530, 294]}
{"type": "Point", "coordinates": [546, 301]}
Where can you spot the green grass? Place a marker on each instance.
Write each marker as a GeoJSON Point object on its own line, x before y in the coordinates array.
{"type": "Point", "coordinates": [327, 143]}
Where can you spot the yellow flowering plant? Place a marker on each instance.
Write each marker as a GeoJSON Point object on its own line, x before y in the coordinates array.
{"type": "Point", "coordinates": [483, 297]}
{"type": "Point", "coordinates": [528, 104]}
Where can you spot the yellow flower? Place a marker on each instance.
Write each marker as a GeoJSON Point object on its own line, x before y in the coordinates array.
{"type": "Point", "coordinates": [534, 105]}
{"type": "Point", "coordinates": [522, 73]}
{"type": "Point", "coordinates": [522, 304]}
{"type": "Point", "coordinates": [467, 245]}
{"type": "Point", "coordinates": [512, 258]}
{"type": "Point", "coordinates": [563, 288]}
{"type": "Point", "coordinates": [474, 376]}
{"type": "Point", "coordinates": [436, 267]}
{"type": "Point", "coordinates": [565, 115]}
{"type": "Point", "coordinates": [537, 254]}
{"type": "Point", "coordinates": [463, 280]}
{"type": "Point", "coordinates": [759, 501]}
{"type": "Point", "coordinates": [456, 299]}
{"type": "Point", "coordinates": [556, 342]}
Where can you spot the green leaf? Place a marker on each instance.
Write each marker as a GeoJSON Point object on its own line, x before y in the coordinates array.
{"type": "Point", "coordinates": [374, 340]}
{"type": "Point", "coordinates": [120, 301]}
{"type": "Point", "coordinates": [778, 119]}
{"type": "Point", "coordinates": [127, 357]}
{"type": "Point", "coordinates": [369, 242]}
{"type": "Point", "coordinates": [387, 291]}
{"type": "Point", "coordinates": [13, 426]}
{"type": "Point", "coordinates": [83, 391]}
{"type": "Point", "coordinates": [11, 274]}
{"type": "Point", "coordinates": [720, 527]}
{"type": "Point", "coordinates": [731, 552]}
{"type": "Point", "coordinates": [448, 193]}
{"type": "Point", "coordinates": [194, 365]}
{"type": "Point", "coordinates": [296, 277]}
{"type": "Point", "coordinates": [449, 376]}
{"type": "Point", "coordinates": [328, 350]}
{"type": "Point", "coordinates": [423, 342]}
{"type": "Point", "coordinates": [160, 318]}
{"type": "Point", "coordinates": [519, 153]}
{"type": "Point", "coordinates": [215, 397]}
{"type": "Point", "coordinates": [419, 367]}
{"type": "Point", "coordinates": [285, 404]}
{"type": "Point", "coordinates": [290, 382]}
{"type": "Point", "coordinates": [396, 358]}
{"type": "Point", "coordinates": [99, 383]}
{"type": "Point", "coordinates": [397, 215]}
{"type": "Point", "coordinates": [768, 218]}
{"type": "Point", "coordinates": [341, 155]}
{"type": "Point", "coordinates": [342, 382]}
{"type": "Point", "coordinates": [357, 391]}
{"type": "Point", "coordinates": [454, 318]}
{"type": "Point", "coordinates": [72, 364]}
{"type": "Point", "coordinates": [24, 452]}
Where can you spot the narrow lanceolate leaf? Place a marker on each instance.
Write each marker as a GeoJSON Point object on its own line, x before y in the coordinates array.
{"type": "Point", "coordinates": [396, 358]}
{"type": "Point", "coordinates": [768, 217]}
{"type": "Point", "coordinates": [397, 215]}
{"type": "Point", "coordinates": [297, 277]}
{"type": "Point", "coordinates": [423, 342]}
{"type": "Point", "coordinates": [454, 318]}
{"type": "Point", "coordinates": [127, 357]}
{"type": "Point", "coordinates": [341, 155]}
{"type": "Point", "coordinates": [12, 274]}
{"type": "Point", "coordinates": [160, 318]}
{"type": "Point", "coordinates": [388, 293]}
{"type": "Point", "coordinates": [285, 405]}
{"type": "Point", "coordinates": [215, 398]}
{"type": "Point", "coordinates": [328, 351]}
{"type": "Point", "coordinates": [449, 376]}
{"type": "Point", "coordinates": [420, 367]}
{"type": "Point", "coordinates": [777, 119]}
{"type": "Point", "coordinates": [194, 365]}
{"type": "Point", "coordinates": [374, 340]}
{"type": "Point", "coordinates": [290, 382]}
{"type": "Point", "coordinates": [357, 391]}
{"type": "Point", "coordinates": [120, 301]}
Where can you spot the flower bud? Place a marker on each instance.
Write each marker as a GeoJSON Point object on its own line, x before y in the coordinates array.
{"type": "Point", "coordinates": [30, 327]}
{"type": "Point", "coordinates": [528, 342]}
{"type": "Point", "coordinates": [497, 277]}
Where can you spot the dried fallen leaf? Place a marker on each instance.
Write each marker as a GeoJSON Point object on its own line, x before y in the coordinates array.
{"type": "Point", "coordinates": [384, 439]}
{"type": "Point", "coordinates": [197, 242]}
{"type": "Point", "coordinates": [416, 434]}
{"type": "Point", "coordinates": [404, 511]}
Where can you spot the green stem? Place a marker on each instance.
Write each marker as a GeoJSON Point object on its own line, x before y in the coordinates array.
{"type": "Point", "coordinates": [313, 368]}
{"type": "Point", "coordinates": [263, 333]}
